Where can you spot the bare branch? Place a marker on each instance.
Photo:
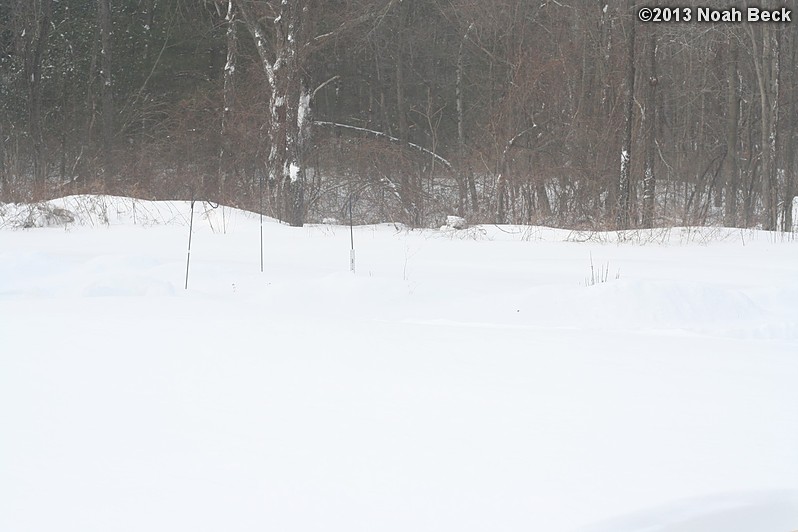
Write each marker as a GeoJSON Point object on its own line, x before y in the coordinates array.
{"type": "Point", "coordinates": [380, 134]}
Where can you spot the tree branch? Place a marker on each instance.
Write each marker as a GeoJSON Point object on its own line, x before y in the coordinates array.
{"type": "Point", "coordinates": [380, 134]}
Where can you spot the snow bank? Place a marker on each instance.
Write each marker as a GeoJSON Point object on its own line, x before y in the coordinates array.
{"type": "Point", "coordinates": [86, 210]}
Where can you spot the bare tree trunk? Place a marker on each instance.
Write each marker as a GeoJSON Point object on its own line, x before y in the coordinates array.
{"type": "Point", "coordinates": [405, 10]}
{"type": "Point", "coordinates": [106, 87]}
{"type": "Point", "coordinates": [501, 195]}
{"type": "Point", "coordinates": [790, 137]}
{"type": "Point", "coordinates": [290, 125]}
{"type": "Point", "coordinates": [503, 187]}
{"type": "Point", "coordinates": [624, 183]}
{"type": "Point", "coordinates": [770, 191]}
{"type": "Point", "coordinates": [65, 90]}
{"type": "Point", "coordinates": [543, 203]}
{"type": "Point", "coordinates": [407, 183]}
{"type": "Point", "coordinates": [732, 120]}
{"type": "Point", "coordinates": [605, 41]}
{"type": "Point", "coordinates": [33, 75]}
{"type": "Point", "coordinates": [401, 103]}
{"type": "Point", "coordinates": [5, 193]}
{"type": "Point", "coordinates": [766, 62]}
{"type": "Point", "coordinates": [649, 178]}
{"type": "Point", "coordinates": [217, 187]}
{"type": "Point", "coordinates": [468, 179]}
{"type": "Point", "coordinates": [289, 99]}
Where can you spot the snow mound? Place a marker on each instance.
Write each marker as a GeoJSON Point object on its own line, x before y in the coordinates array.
{"type": "Point", "coordinates": [37, 215]}
{"type": "Point", "coordinates": [669, 304]}
{"type": "Point", "coordinates": [455, 222]}
{"type": "Point", "coordinates": [96, 210]}
{"type": "Point", "coordinates": [738, 512]}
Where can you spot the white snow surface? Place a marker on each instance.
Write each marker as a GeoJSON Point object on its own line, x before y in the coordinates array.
{"type": "Point", "coordinates": [460, 381]}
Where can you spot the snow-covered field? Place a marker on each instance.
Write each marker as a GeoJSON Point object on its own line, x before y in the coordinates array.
{"type": "Point", "coordinates": [460, 381]}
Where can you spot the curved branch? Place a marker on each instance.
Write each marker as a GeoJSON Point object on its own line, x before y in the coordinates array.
{"type": "Point", "coordinates": [380, 134]}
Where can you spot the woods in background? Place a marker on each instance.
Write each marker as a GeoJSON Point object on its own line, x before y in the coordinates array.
{"type": "Point", "coordinates": [570, 113]}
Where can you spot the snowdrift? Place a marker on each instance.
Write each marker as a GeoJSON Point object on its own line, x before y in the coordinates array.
{"type": "Point", "coordinates": [486, 378]}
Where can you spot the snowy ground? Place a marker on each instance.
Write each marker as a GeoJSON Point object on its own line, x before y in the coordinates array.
{"type": "Point", "coordinates": [459, 381]}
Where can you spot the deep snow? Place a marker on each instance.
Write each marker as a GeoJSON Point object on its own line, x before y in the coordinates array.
{"type": "Point", "coordinates": [460, 380]}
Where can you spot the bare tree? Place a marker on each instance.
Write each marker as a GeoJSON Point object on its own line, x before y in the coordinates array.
{"type": "Point", "coordinates": [765, 45]}
{"type": "Point", "coordinates": [465, 183]}
{"type": "Point", "coordinates": [650, 119]}
{"type": "Point", "coordinates": [790, 136]}
{"type": "Point", "coordinates": [105, 25]}
{"type": "Point", "coordinates": [624, 183]}
{"type": "Point", "coordinates": [38, 28]}
{"type": "Point", "coordinates": [283, 32]}
{"type": "Point", "coordinates": [732, 118]}
{"type": "Point", "coordinates": [216, 186]}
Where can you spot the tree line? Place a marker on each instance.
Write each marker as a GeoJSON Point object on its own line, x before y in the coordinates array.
{"type": "Point", "coordinates": [570, 113]}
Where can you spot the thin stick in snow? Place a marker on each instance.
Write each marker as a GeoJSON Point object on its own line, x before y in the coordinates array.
{"type": "Point", "coordinates": [351, 239]}
{"type": "Point", "coordinates": [260, 191]}
{"type": "Point", "coordinates": [190, 230]}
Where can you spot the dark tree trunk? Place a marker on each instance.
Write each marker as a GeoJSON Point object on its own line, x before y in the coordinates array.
{"type": "Point", "coordinates": [33, 76]}
{"type": "Point", "coordinates": [501, 194]}
{"type": "Point", "coordinates": [732, 119]}
{"type": "Point", "coordinates": [624, 183]}
{"type": "Point", "coordinates": [766, 63]}
{"type": "Point", "coordinates": [649, 177]}
{"type": "Point", "coordinates": [465, 180]}
{"type": "Point", "coordinates": [289, 99]}
{"type": "Point", "coordinates": [5, 193]}
{"type": "Point", "coordinates": [216, 187]}
{"type": "Point", "coordinates": [790, 136]}
{"type": "Point", "coordinates": [106, 88]}
{"type": "Point", "coordinates": [407, 182]}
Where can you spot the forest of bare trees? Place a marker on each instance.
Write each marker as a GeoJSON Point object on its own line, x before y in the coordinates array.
{"type": "Point", "coordinates": [571, 113]}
